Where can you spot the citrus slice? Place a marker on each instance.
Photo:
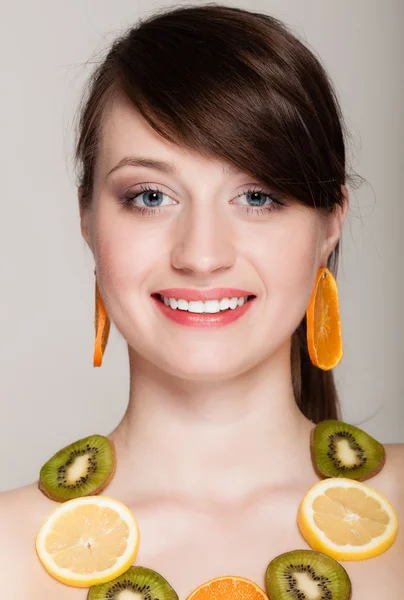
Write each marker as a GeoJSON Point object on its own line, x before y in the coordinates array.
{"type": "Point", "coordinates": [88, 540]}
{"type": "Point", "coordinates": [347, 520]}
{"type": "Point", "coordinates": [222, 588]}
{"type": "Point", "coordinates": [324, 337]}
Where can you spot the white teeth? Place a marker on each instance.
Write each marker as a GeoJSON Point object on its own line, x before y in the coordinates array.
{"type": "Point", "coordinates": [224, 303]}
{"type": "Point", "coordinates": [210, 306]}
{"type": "Point", "coordinates": [195, 307]}
{"type": "Point", "coordinates": [182, 304]}
{"type": "Point", "coordinates": [233, 303]}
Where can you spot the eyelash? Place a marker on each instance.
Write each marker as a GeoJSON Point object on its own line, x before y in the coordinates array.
{"type": "Point", "coordinates": [276, 204]}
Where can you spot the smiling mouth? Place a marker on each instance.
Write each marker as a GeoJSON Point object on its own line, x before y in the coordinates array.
{"type": "Point", "coordinates": [209, 306]}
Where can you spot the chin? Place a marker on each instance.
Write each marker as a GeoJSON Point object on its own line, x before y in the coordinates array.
{"type": "Point", "coordinates": [219, 368]}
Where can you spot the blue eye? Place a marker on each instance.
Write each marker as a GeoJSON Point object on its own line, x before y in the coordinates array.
{"type": "Point", "coordinates": [259, 198]}
{"type": "Point", "coordinates": [152, 198]}
{"type": "Point", "coordinates": [260, 202]}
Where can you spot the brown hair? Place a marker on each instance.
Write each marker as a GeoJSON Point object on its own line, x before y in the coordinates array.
{"type": "Point", "coordinates": [238, 86]}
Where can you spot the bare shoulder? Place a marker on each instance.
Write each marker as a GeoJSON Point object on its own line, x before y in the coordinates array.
{"type": "Point", "coordinates": [390, 483]}
{"type": "Point", "coordinates": [22, 512]}
{"type": "Point", "coordinates": [16, 511]}
{"type": "Point", "coordinates": [391, 476]}
{"type": "Point", "coordinates": [395, 453]}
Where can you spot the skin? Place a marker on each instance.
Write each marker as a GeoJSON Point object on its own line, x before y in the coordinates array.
{"type": "Point", "coordinates": [213, 454]}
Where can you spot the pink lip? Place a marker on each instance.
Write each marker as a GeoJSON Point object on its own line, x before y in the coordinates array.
{"type": "Point", "coordinates": [204, 295]}
{"type": "Point", "coordinates": [183, 317]}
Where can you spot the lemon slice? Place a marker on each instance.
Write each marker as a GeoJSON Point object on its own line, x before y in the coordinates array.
{"type": "Point", "coordinates": [347, 520]}
{"type": "Point", "coordinates": [88, 540]}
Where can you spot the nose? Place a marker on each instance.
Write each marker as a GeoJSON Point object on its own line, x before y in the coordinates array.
{"type": "Point", "coordinates": [202, 245]}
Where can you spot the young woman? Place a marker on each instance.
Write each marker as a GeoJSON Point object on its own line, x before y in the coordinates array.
{"type": "Point", "coordinates": [212, 167]}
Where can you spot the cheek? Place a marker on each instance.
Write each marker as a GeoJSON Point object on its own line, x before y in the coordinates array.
{"type": "Point", "coordinates": [287, 259]}
{"type": "Point", "coordinates": [124, 253]}
{"type": "Point", "coordinates": [123, 257]}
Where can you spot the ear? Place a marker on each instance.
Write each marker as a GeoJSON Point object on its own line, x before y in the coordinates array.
{"type": "Point", "coordinates": [334, 224]}
{"type": "Point", "coordinates": [84, 217]}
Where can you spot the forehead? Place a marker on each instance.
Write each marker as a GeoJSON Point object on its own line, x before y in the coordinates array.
{"type": "Point", "coordinates": [125, 133]}
{"type": "Point", "coordinates": [124, 125]}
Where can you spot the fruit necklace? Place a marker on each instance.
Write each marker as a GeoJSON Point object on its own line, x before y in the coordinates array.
{"type": "Point", "coordinates": [92, 540]}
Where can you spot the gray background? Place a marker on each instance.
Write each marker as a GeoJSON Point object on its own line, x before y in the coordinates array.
{"type": "Point", "coordinates": [50, 394]}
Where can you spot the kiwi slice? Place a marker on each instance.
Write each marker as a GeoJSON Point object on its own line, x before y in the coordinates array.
{"type": "Point", "coordinates": [137, 583]}
{"type": "Point", "coordinates": [307, 575]}
{"type": "Point", "coordinates": [342, 450]}
{"type": "Point", "coordinates": [83, 468]}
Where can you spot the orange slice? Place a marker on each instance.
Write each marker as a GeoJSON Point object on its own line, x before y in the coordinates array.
{"type": "Point", "coordinates": [222, 588]}
{"type": "Point", "coordinates": [102, 328]}
{"type": "Point", "coordinates": [324, 338]}
{"type": "Point", "coordinates": [88, 540]}
{"type": "Point", "coordinates": [347, 520]}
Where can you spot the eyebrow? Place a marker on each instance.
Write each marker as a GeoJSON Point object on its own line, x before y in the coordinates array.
{"type": "Point", "coordinates": [160, 165]}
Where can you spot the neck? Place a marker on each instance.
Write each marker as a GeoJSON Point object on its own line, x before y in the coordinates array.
{"type": "Point", "coordinates": [212, 439]}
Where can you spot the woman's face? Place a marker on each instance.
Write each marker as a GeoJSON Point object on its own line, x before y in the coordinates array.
{"type": "Point", "coordinates": [199, 230]}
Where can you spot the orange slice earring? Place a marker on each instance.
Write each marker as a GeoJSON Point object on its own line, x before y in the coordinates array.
{"type": "Point", "coordinates": [102, 327]}
{"type": "Point", "coordinates": [324, 338]}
